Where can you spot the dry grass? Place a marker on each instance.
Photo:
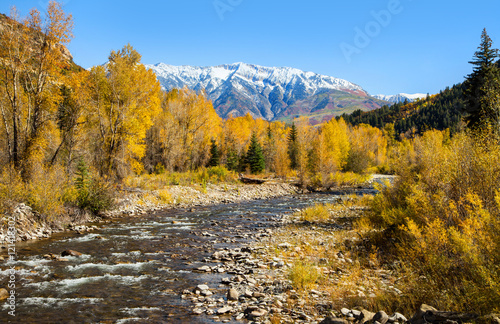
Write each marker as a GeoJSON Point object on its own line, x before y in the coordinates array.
{"type": "Point", "coordinates": [336, 262]}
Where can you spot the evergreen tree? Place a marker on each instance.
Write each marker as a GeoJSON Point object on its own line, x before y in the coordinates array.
{"type": "Point", "coordinates": [482, 88]}
{"type": "Point", "coordinates": [232, 161]}
{"type": "Point", "coordinates": [270, 149]}
{"type": "Point", "coordinates": [214, 155]}
{"type": "Point", "coordinates": [293, 147]}
{"type": "Point", "coordinates": [255, 157]}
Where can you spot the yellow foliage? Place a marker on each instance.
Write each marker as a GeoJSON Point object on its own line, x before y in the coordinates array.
{"type": "Point", "coordinates": [304, 275]}
{"type": "Point", "coordinates": [337, 145]}
{"type": "Point", "coordinates": [368, 148]}
{"type": "Point", "coordinates": [181, 135]}
{"type": "Point", "coordinates": [124, 97]}
{"type": "Point", "coordinates": [316, 213]}
{"type": "Point", "coordinates": [446, 205]}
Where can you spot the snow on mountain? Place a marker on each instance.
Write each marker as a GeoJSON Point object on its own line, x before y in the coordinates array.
{"type": "Point", "coordinates": [239, 88]}
{"type": "Point", "coordinates": [401, 97]}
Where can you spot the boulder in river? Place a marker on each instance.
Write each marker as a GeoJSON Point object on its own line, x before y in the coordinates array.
{"type": "Point", "coordinates": [232, 294]}
{"type": "Point", "coordinates": [4, 294]}
{"type": "Point", "coordinates": [71, 253]}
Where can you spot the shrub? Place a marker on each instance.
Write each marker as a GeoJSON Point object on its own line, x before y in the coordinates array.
{"type": "Point", "coordinates": [303, 275]}
{"type": "Point", "coordinates": [12, 190]}
{"type": "Point", "coordinates": [444, 212]}
{"type": "Point", "coordinates": [317, 213]}
{"type": "Point", "coordinates": [94, 193]}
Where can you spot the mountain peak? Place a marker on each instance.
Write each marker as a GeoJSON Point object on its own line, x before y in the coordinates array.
{"type": "Point", "coordinates": [401, 97]}
{"type": "Point", "coordinates": [264, 92]}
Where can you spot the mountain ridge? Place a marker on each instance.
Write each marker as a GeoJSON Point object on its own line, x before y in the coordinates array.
{"type": "Point", "coordinates": [271, 93]}
{"type": "Point", "coordinates": [401, 97]}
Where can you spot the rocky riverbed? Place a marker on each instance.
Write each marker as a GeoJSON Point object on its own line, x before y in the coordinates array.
{"type": "Point", "coordinates": [30, 225]}
{"type": "Point", "coordinates": [262, 280]}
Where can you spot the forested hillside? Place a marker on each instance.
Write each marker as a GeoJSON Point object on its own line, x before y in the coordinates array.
{"type": "Point", "coordinates": [441, 111]}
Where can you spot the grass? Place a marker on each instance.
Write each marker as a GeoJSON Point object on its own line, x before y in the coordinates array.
{"type": "Point", "coordinates": [317, 213]}
{"type": "Point", "coordinates": [202, 177]}
{"type": "Point", "coordinates": [336, 262]}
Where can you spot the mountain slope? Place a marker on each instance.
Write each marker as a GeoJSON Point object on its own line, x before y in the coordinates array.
{"type": "Point", "coordinates": [265, 92]}
{"type": "Point", "coordinates": [441, 111]}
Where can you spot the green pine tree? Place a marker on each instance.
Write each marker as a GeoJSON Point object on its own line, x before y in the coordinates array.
{"type": "Point", "coordinates": [233, 160]}
{"type": "Point", "coordinates": [255, 157]}
{"type": "Point", "coordinates": [214, 155]}
{"type": "Point", "coordinates": [482, 88]}
{"type": "Point", "coordinates": [293, 147]}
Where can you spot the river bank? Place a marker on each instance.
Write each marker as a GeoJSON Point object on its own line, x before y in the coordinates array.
{"type": "Point", "coordinates": [30, 225]}
{"type": "Point", "coordinates": [303, 270]}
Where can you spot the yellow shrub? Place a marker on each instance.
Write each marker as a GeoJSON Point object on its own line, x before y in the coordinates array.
{"type": "Point", "coordinates": [303, 275]}
{"type": "Point", "coordinates": [316, 213]}
{"type": "Point", "coordinates": [444, 210]}
{"type": "Point", "coordinates": [164, 196]}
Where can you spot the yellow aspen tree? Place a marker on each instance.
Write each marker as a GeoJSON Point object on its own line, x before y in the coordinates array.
{"type": "Point", "coordinates": [32, 60]}
{"type": "Point", "coordinates": [42, 76]}
{"type": "Point", "coordinates": [336, 143]}
{"type": "Point", "coordinates": [368, 148]}
{"type": "Point", "coordinates": [305, 136]}
{"type": "Point", "coordinates": [181, 137]}
{"type": "Point", "coordinates": [124, 99]}
{"type": "Point", "coordinates": [70, 118]}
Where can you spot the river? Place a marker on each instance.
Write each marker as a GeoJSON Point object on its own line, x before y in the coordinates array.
{"type": "Point", "coordinates": [133, 270]}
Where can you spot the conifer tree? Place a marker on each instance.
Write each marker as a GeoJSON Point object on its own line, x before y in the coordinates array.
{"type": "Point", "coordinates": [482, 88]}
{"type": "Point", "coordinates": [293, 147]}
{"type": "Point", "coordinates": [255, 156]}
{"type": "Point", "coordinates": [214, 155]}
{"type": "Point", "coordinates": [232, 160]}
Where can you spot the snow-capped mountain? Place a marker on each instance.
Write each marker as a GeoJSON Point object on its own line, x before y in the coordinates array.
{"type": "Point", "coordinates": [264, 92]}
{"type": "Point", "coordinates": [401, 97]}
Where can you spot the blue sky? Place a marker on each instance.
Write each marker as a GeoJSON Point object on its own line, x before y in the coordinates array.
{"type": "Point", "coordinates": [386, 46]}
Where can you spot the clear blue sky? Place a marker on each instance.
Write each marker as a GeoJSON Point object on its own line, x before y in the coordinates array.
{"type": "Point", "coordinates": [413, 45]}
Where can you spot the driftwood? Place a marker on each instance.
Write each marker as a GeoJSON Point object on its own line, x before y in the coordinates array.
{"type": "Point", "coordinates": [252, 181]}
{"type": "Point", "coordinates": [427, 314]}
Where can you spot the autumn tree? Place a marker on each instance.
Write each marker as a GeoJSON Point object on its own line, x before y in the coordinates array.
{"type": "Point", "coordinates": [336, 144]}
{"type": "Point", "coordinates": [124, 97]}
{"type": "Point", "coordinates": [32, 61]}
{"type": "Point", "coordinates": [368, 149]}
{"type": "Point", "coordinates": [275, 149]}
{"type": "Point", "coordinates": [180, 138]}
{"type": "Point", "coordinates": [70, 119]}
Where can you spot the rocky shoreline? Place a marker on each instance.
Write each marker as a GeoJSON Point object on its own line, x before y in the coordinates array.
{"type": "Point", "coordinates": [30, 225]}
{"type": "Point", "coordinates": [256, 286]}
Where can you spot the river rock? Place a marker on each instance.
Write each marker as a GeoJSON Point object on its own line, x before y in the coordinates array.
{"type": "Point", "coordinates": [397, 317]}
{"type": "Point", "coordinates": [489, 319]}
{"type": "Point", "coordinates": [366, 316]}
{"type": "Point", "coordinates": [259, 312]}
{"type": "Point", "coordinates": [345, 311]}
{"type": "Point", "coordinates": [381, 317]}
{"type": "Point", "coordinates": [202, 287]}
{"type": "Point", "coordinates": [419, 314]}
{"type": "Point", "coordinates": [232, 294]}
{"type": "Point", "coordinates": [333, 320]}
{"type": "Point", "coordinates": [71, 253]}
{"type": "Point", "coordinates": [224, 310]}
{"type": "Point", "coordinates": [4, 294]}
{"type": "Point", "coordinates": [427, 314]}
